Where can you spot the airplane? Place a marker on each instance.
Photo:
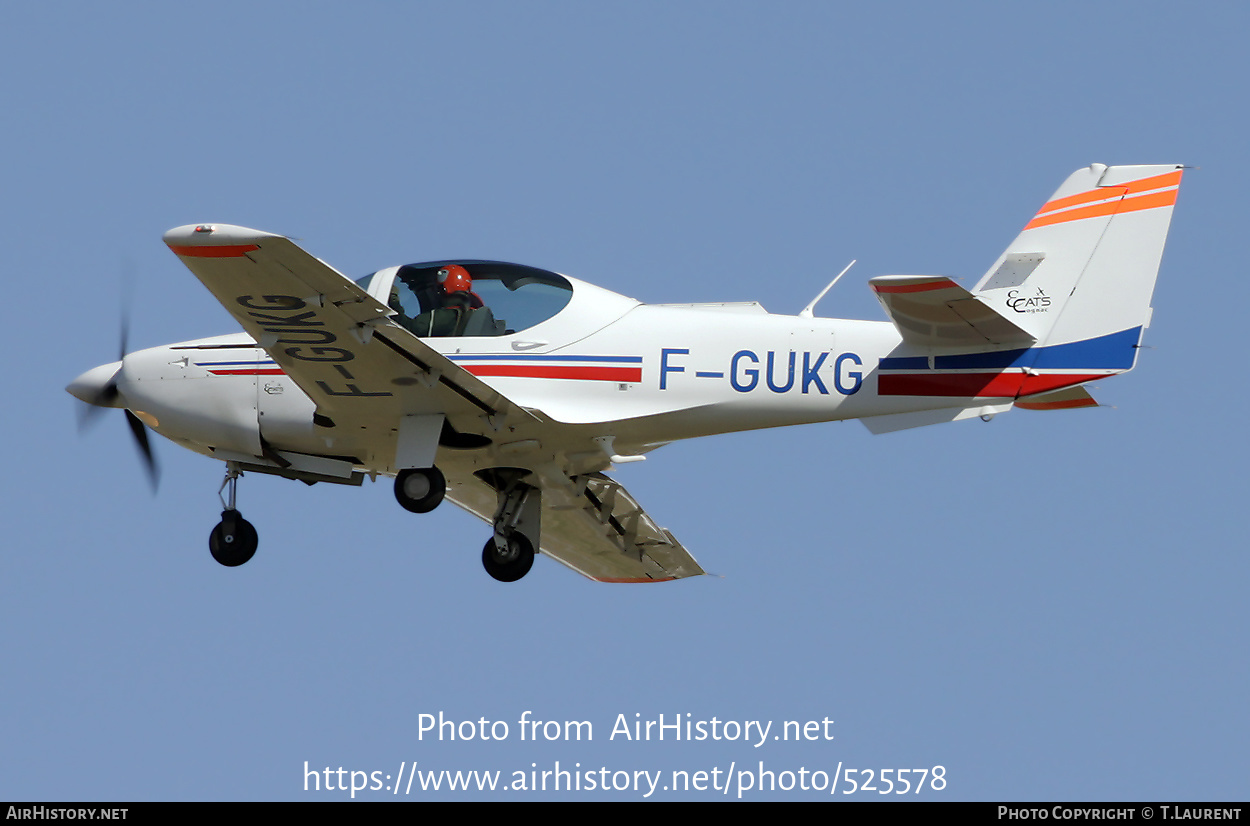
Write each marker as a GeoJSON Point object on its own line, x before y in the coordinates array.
{"type": "Point", "coordinates": [511, 390]}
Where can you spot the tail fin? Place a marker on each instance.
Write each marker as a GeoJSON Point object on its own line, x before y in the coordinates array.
{"type": "Point", "coordinates": [1080, 275]}
{"type": "Point", "coordinates": [1065, 304]}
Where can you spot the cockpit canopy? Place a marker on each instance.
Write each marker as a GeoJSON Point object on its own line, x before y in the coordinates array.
{"type": "Point", "coordinates": [500, 300]}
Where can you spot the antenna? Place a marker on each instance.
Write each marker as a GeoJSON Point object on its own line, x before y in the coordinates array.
{"type": "Point", "coordinates": [807, 311]}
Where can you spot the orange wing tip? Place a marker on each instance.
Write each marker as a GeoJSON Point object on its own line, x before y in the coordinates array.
{"type": "Point", "coordinates": [232, 251]}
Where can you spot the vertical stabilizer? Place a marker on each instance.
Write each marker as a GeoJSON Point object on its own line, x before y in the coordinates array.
{"type": "Point", "coordinates": [1082, 272]}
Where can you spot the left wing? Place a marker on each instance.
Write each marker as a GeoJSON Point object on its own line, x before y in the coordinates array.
{"type": "Point", "coordinates": [338, 344]}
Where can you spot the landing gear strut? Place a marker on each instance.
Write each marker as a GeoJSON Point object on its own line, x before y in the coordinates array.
{"type": "Point", "coordinates": [420, 490]}
{"type": "Point", "coordinates": [509, 554]}
{"type": "Point", "coordinates": [234, 540]}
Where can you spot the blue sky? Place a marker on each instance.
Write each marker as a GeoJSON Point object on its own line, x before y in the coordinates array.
{"type": "Point", "coordinates": [1050, 606]}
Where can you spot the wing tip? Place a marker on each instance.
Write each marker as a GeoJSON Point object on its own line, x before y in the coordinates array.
{"type": "Point", "coordinates": [194, 239]}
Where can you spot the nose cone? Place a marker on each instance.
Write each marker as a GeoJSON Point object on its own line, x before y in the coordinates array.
{"type": "Point", "coordinates": [97, 386]}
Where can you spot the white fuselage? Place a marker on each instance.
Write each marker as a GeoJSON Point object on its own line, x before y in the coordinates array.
{"type": "Point", "coordinates": [643, 374]}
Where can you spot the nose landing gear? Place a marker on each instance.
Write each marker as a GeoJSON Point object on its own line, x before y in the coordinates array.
{"type": "Point", "coordinates": [234, 540]}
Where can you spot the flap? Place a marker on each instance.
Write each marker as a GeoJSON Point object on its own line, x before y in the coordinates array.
{"type": "Point", "coordinates": [592, 525]}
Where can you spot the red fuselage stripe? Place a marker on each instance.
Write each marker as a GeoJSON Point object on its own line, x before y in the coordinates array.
{"type": "Point", "coordinates": [271, 371]}
{"type": "Point", "coordinates": [557, 371]}
{"type": "Point", "coordinates": [974, 385]}
{"type": "Point", "coordinates": [526, 371]}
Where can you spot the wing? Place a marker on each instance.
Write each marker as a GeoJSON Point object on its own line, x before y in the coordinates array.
{"type": "Point", "coordinates": [365, 372]}
{"type": "Point", "coordinates": [335, 340]}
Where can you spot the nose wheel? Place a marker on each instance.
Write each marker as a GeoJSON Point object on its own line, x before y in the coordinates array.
{"type": "Point", "coordinates": [234, 540]}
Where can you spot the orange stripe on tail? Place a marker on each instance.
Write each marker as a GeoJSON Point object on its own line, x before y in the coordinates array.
{"type": "Point", "coordinates": [1099, 203]}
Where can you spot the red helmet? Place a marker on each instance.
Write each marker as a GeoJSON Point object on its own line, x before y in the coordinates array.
{"type": "Point", "coordinates": [455, 279]}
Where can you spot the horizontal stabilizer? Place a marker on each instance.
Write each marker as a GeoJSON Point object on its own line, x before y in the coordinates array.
{"type": "Point", "coordinates": [934, 311]}
{"type": "Point", "coordinates": [1067, 399]}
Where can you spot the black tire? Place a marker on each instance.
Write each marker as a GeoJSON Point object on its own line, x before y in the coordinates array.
{"type": "Point", "coordinates": [513, 565]}
{"type": "Point", "coordinates": [233, 541]}
{"type": "Point", "coordinates": [421, 490]}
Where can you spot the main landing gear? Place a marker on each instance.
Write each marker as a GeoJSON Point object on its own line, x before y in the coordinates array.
{"type": "Point", "coordinates": [508, 558]}
{"type": "Point", "coordinates": [234, 540]}
{"type": "Point", "coordinates": [509, 554]}
{"type": "Point", "coordinates": [420, 490]}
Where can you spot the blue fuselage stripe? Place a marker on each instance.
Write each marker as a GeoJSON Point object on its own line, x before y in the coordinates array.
{"type": "Point", "coordinates": [905, 363]}
{"type": "Point", "coordinates": [1115, 351]}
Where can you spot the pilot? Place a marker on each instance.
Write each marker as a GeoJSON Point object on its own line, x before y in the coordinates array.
{"type": "Point", "coordinates": [457, 288]}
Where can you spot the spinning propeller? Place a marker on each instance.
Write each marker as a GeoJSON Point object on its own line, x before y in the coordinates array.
{"type": "Point", "coordinates": [98, 388]}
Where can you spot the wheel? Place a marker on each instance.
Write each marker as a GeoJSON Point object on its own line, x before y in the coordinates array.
{"type": "Point", "coordinates": [233, 541]}
{"type": "Point", "coordinates": [421, 490]}
{"type": "Point", "coordinates": [512, 565]}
